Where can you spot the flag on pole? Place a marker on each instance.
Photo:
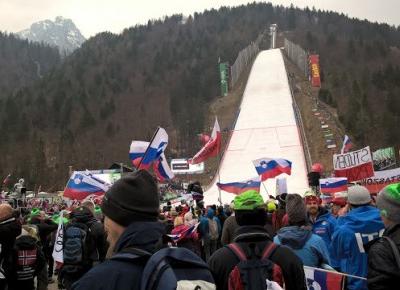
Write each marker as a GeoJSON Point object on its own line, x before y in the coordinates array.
{"type": "Point", "coordinates": [82, 184]}
{"type": "Point", "coordinates": [7, 179]}
{"type": "Point", "coordinates": [242, 186]}
{"type": "Point", "coordinates": [162, 170]}
{"type": "Point", "coordinates": [332, 185]}
{"type": "Point", "coordinates": [155, 149]}
{"type": "Point", "coordinates": [137, 150]}
{"type": "Point", "coordinates": [347, 144]}
{"type": "Point", "coordinates": [58, 246]}
{"type": "Point", "coordinates": [272, 167]}
{"type": "Point", "coordinates": [212, 147]}
{"type": "Point", "coordinates": [322, 279]}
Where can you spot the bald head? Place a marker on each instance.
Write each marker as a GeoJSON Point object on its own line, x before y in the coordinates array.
{"type": "Point", "coordinates": [5, 211]}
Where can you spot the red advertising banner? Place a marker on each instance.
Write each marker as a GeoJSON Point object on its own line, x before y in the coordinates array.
{"type": "Point", "coordinates": [355, 165]}
{"type": "Point", "coordinates": [381, 179]}
{"type": "Point", "coordinates": [315, 71]}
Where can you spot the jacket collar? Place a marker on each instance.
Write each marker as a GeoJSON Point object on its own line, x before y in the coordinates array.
{"type": "Point", "coordinates": [251, 233]}
{"type": "Point", "coordinates": [142, 235]}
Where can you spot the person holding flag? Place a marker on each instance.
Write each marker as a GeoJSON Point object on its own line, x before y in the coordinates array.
{"type": "Point", "coordinates": [211, 148]}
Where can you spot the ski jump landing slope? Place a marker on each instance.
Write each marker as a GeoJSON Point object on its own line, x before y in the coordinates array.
{"type": "Point", "coordinates": [265, 127]}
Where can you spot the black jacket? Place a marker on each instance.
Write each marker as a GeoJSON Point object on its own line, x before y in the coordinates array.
{"type": "Point", "coordinates": [383, 272]}
{"type": "Point", "coordinates": [9, 230]}
{"type": "Point", "coordinates": [223, 260]}
{"type": "Point", "coordinates": [124, 275]}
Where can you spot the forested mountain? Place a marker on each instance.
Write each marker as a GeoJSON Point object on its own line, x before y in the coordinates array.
{"type": "Point", "coordinates": [22, 63]}
{"type": "Point", "coordinates": [116, 88]}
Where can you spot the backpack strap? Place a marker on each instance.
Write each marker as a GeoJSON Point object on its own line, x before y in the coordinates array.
{"type": "Point", "coordinates": [269, 250]}
{"type": "Point", "coordinates": [130, 254]}
{"type": "Point", "coordinates": [238, 251]}
{"type": "Point", "coordinates": [395, 250]}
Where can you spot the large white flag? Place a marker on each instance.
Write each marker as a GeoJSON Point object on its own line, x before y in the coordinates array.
{"type": "Point", "coordinates": [58, 246]}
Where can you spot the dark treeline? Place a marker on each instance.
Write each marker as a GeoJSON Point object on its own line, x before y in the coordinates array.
{"type": "Point", "coordinates": [116, 88]}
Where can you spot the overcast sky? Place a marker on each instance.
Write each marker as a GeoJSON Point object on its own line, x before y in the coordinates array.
{"type": "Point", "coordinates": [93, 16]}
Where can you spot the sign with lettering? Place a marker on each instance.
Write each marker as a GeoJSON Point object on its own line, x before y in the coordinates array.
{"type": "Point", "coordinates": [381, 179]}
{"type": "Point", "coordinates": [314, 68]}
{"type": "Point", "coordinates": [354, 165]}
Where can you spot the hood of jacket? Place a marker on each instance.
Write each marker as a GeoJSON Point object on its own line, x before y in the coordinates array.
{"type": "Point", "coordinates": [362, 219]}
{"type": "Point", "coordinates": [294, 236]}
{"type": "Point", "coordinates": [210, 213]}
{"type": "Point", "coordinates": [142, 235]}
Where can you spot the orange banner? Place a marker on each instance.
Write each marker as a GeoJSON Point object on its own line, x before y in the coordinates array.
{"type": "Point", "coordinates": [315, 72]}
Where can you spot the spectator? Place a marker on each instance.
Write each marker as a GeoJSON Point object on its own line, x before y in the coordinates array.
{"type": "Point", "coordinates": [251, 216]}
{"type": "Point", "coordinates": [310, 248]}
{"type": "Point", "coordinates": [361, 225]}
{"type": "Point", "coordinates": [383, 266]}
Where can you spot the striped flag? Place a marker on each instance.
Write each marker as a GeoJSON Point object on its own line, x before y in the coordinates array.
{"type": "Point", "coordinates": [347, 144]}
{"type": "Point", "coordinates": [242, 186]}
{"type": "Point", "coordinates": [323, 279]}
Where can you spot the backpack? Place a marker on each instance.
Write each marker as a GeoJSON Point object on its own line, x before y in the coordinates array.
{"type": "Point", "coordinates": [171, 269]}
{"type": "Point", "coordinates": [254, 272]}
{"type": "Point", "coordinates": [213, 229]}
{"type": "Point", "coordinates": [26, 258]}
{"type": "Point", "coordinates": [76, 244]}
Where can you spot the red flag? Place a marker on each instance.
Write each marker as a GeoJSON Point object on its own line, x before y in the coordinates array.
{"type": "Point", "coordinates": [211, 148]}
{"type": "Point", "coordinates": [7, 179]}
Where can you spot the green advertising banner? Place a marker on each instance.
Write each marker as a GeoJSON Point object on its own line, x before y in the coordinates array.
{"type": "Point", "coordinates": [223, 72]}
{"type": "Point", "coordinates": [384, 158]}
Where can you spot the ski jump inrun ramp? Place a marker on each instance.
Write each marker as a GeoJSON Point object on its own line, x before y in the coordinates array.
{"type": "Point", "coordinates": [266, 127]}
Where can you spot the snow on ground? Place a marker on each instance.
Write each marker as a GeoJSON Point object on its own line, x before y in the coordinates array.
{"type": "Point", "coordinates": [266, 127]}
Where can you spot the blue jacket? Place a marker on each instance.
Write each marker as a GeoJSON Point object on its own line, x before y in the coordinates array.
{"type": "Point", "coordinates": [124, 275]}
{"type": "Point", "coordinates": [309, 247]}
{"type": "Point", "coordinates": [203, 226]}
{"type": "Point", "coordinates": [324, 226]}
{"type": "Point", "coordinates": [356, 229]}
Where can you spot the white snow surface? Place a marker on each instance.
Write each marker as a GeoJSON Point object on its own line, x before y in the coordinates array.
{"type": "Point", "coordinates": [266, 127]}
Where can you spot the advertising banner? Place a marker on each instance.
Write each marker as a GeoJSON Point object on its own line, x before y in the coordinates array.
{"type": "Point", "coordinates": [223, 71]}
{"type": "Point", "coordinates": [384, 158]}
{"type": "Point", "coordinates": [354, 165]}
{"type": "Point", "coordinates": [381, 179]}
{"type": "Point", "coordinates": [315, 71]}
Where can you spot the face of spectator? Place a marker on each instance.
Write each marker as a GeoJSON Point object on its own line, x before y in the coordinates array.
{"type": "Point", "coordinates": [335, 209]}
{"type": "Point", "coordinates": [312, 207]}
{"type": "Point", "coordinates": [113, 231]}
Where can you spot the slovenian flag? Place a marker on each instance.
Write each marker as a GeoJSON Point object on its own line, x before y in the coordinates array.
{"type": "Point", "coordinates": [323, 279]}
{"type": "Point", "coordinates": [83, 184]}
{"type": "Point", "coordinates": [156, 148]}
{"type": "Point", "coordinates": [332, 185]}
{"type": "Point", "coordinates": [347, 144]}
{"type": "Point", "coordinates": [240, 187]}
{"type": "Point", "coordinates": [270, 168]}
{"type": "Point", "coordinates": [137, 150]}
{"type": "Point", "coordinates": [162, 170]}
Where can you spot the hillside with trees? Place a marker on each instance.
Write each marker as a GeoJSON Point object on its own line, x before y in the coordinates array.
{"type": "Point", "coordinates": [117, 88]}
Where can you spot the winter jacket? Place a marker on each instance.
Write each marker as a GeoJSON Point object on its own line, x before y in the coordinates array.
{"type": "Point", "coordinates": [223, 260]}
{"type": "Point", "coordinates": [203, 227]}
{"type": "Point", "coordinates": [26, 242]}
{"type": "Point", "coordinates": [309, 247]}
{"type": "Point", "coordinates": [383, 272]}
{"type": "Point", "coordinates": [228, 230]}
{"type": "Point", "coordinates": [324, 226]}
{"type": "Point", "coordinates": [356, 229]}
{"type": "Point", "coordinates": [9, 230]}
{"type": "Point", "coordinates": [124, 275]}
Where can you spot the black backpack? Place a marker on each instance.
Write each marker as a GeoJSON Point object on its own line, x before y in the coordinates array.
{"type": "Point", "coordinates": [170, 269]}
{"type": "Point", "coordinates": [255, 269]}
{"type": "Point", "coordinates": [77, 244]}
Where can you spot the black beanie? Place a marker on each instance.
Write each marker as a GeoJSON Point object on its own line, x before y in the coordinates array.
{"type": "Point", "coordinates": [132, 198]}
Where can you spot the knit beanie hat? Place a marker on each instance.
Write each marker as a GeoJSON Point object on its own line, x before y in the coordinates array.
{"type": "Point", "coordinates": [132, 198]}
{"type": "Point", "coordinates": [388, 202]}
{"type": "Point", "coordinates": [295, 209]}
{"type": "Point", "coordinates": [358, 195]}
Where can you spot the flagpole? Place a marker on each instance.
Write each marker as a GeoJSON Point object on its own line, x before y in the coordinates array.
{"type": "Point", "coordinates": [262, 182]}
{"type": "Point", "coordinates": [147, 149]}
